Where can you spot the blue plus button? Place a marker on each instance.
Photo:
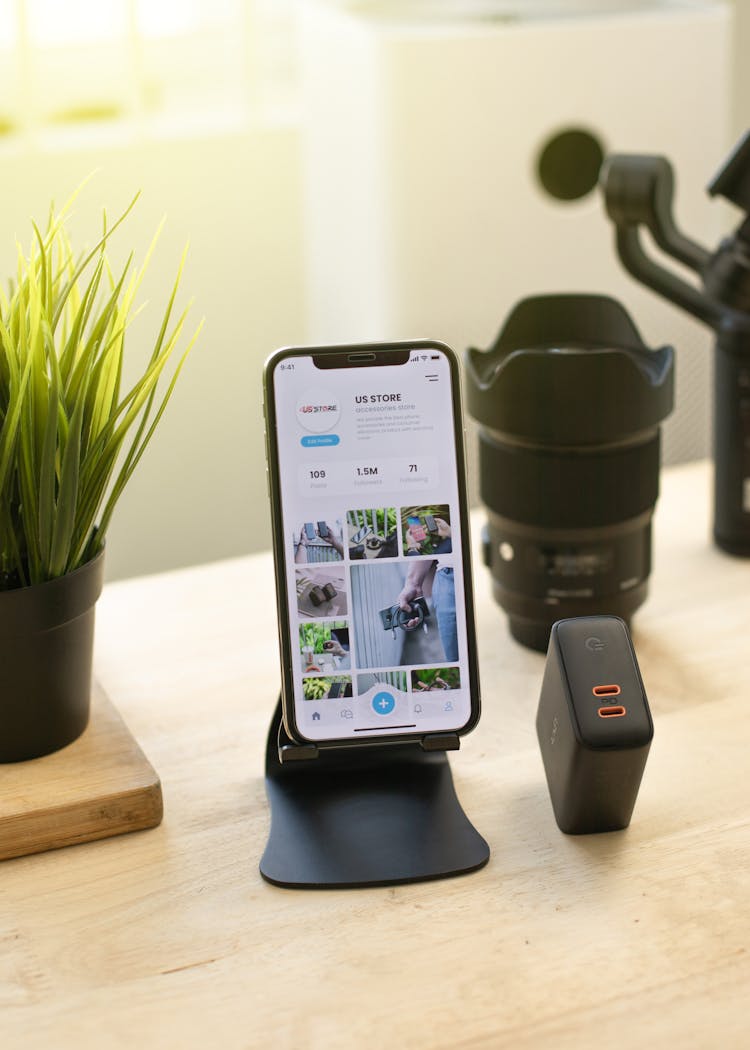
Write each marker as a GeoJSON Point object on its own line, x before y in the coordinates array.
{"type": "Point", "coordinates": [383, 703]}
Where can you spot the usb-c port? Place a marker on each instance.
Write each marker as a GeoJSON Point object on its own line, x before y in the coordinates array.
{"type": "Point", "coordinates": [606, 690]}
{"type": "Point", "coordinates": [612, 712]}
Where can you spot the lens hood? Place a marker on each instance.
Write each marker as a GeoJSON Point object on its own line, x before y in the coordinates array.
{"type": "Point", "coordinates": [569, 370]}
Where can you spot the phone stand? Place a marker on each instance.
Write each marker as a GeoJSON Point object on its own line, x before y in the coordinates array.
{"type": "Point", "coordinates": [345, 817]}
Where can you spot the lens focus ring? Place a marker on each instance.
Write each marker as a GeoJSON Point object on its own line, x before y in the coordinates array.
{"type": "Point", "coordinates": [570, 488]}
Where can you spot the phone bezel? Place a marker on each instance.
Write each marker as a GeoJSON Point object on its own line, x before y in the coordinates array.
{"type": "Point", "coordinates": [338, 356]}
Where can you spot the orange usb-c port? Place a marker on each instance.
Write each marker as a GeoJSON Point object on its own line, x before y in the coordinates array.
{"type": "Point", "coordinates": [617, 711]}
{"type": "Point", "coordinates": [606, 690]}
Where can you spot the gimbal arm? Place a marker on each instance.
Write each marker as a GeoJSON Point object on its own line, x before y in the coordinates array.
{"type": "Point", "coordinates": [638, 191]}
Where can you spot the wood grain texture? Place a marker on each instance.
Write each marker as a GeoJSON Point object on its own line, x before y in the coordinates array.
{"type": "Point", "coordinates": [172, 939]}
{"type": "Point", "coordinates": [100, 785]}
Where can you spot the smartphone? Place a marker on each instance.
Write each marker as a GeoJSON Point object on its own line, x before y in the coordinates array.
{"type": "Point", "coordinates": [353, 430]}
{"type": "Point", "coordinates": [309, 530]}
{"type": "Point", "coordinates": [340, 637]}
{"type": "Point", "coordinates": [416, 528]}
{"type": "Point", "coordinates": [323, 530]}
{"type": "Point", "coordinates": [430, 523]}
{"type": "Point", "coordinates": [358, 536]}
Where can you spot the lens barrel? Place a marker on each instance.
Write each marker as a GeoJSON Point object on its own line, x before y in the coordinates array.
{"type": "Point", "coordinates": [569, 401]}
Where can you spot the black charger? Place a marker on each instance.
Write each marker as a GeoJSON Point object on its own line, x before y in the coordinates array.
{"type": "Point", "coordinates": [593, 724]}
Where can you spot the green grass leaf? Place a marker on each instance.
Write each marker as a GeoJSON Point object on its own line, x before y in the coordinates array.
{"type": "Point", "coordinates": [67, 500]}
{"type": "Point", "coordinates": [48, 460]}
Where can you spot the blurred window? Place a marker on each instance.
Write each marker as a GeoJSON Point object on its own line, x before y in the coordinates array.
{"type": "Point", "coordinates": [161, 64]}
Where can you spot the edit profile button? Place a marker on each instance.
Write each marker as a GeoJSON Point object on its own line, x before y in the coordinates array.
{"type": "Point", "coordinates": [319, 440]}
{"type": "Point", "coordinates": [383, 703]}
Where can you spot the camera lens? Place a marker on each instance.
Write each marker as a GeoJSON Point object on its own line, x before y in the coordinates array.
{"type": "Point", "coordinates": [569, 402]}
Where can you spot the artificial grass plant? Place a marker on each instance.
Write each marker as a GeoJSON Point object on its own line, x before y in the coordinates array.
{"type": "Point", "coordinates": [70, 437]}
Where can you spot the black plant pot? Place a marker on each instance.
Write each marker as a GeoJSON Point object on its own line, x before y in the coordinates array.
{"type": "Point", "coordinates": [46, 649]}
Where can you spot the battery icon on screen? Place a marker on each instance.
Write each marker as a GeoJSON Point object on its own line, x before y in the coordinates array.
{"type": "Point", "coordinates": [435, 357]}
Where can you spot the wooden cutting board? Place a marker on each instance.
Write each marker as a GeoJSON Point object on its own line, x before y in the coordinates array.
{"type": "Point", "coordinates": [100, 785]}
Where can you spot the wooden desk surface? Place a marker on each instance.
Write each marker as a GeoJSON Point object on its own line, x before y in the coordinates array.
{"type": "Point", "coordinates": [169, 938]}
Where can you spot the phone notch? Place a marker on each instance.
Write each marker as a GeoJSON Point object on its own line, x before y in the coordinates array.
{"type": "Point", "coordinates": [364, 358]}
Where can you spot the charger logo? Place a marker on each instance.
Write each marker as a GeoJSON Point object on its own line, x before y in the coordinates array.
{"type": "Point", "coordinates": [595, 645]}
{"type": "Point", "coordinates": [318, 410]}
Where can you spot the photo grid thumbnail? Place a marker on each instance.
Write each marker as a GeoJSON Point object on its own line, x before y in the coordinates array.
{"type": "Point", "coordinates": [324, 647]}
{"type": "Point", "coordinates": [372, 533]}
{"type": "Point", "coordinates": [321, 591]}
{"type": "Point", "coordinates": [338, 687]}
{"type": "Point", "coordinates": [318, 541]}
{"type": "Point", "coordinates": [404, 613]}
{"type": "Point", "coordinates": [426, 530]}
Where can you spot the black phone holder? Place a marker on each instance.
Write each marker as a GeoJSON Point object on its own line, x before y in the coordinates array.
{"type": "Point", "coordinates": [365, 815]}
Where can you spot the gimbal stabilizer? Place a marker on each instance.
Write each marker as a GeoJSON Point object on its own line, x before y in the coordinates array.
{"type": "Point", "coordinates": [638, 192]}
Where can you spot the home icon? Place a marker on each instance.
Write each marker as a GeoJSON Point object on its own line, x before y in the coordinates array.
{"type": "Point", "coordinates": [316, 716]}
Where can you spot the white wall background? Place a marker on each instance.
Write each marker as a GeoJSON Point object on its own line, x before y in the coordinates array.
{"type": "Point", "coordinates": [199, 493]}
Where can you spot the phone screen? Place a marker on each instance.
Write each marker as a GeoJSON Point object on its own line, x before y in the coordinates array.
{"type": "Point", "coordinates": [371, 450]}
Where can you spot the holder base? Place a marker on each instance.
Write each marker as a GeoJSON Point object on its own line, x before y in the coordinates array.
{"type": "Point", "coordinates": [365, 817]}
